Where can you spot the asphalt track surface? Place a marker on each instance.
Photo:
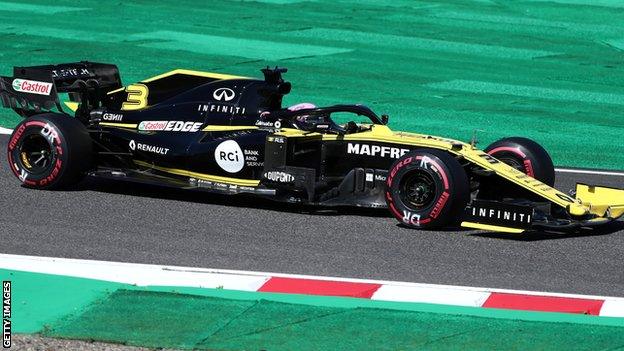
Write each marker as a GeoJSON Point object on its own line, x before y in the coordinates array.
{"type": "Point", "coordinates": [120, 221]}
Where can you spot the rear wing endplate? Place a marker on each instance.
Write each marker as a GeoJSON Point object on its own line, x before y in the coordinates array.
{"type": "Point", "coordinates": [35, 89]}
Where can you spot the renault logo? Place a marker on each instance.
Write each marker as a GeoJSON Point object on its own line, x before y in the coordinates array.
{"type": "Point", "coordinates": [223, 94]}
{"type": "Point", "coordinates": [132, 145]}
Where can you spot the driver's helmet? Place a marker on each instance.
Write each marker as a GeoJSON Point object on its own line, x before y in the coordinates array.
{"type": "Point", "coordinates": [304, 122]}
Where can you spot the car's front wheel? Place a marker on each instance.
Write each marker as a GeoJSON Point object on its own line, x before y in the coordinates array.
{"type": "Point", "coordinates": [526, 156]}
{"type": "Point", "coordinates": [49, 151]}
{"type": "Point", "coordinates": [427, 189]}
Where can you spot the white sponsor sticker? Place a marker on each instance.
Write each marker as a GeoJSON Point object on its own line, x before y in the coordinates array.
{"type": "Point", "coordinates": [281, 177]}
{"type": "Point", "coordinates": [223, 94]}
{"type": "Point", "coordinates": [221, 108]}
{"type": "Point", "coordinates": [170, 126]}
{"type": "Point", "coordinates": [112, 117]}
{"type": "Point", "coordinates": [229, 156]}
{"type": "Point", "coordinates": [32, 86]}
{"type": "Point", "coordinates": [375, 150]}
{"type": "Point", "coordinates": [149, 148]}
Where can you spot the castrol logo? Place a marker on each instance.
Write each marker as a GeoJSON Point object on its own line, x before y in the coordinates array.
{"type": "Point", "coordinates": [32, 86]}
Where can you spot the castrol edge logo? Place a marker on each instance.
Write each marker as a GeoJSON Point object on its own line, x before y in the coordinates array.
{"type": "Point", "coordinates": [170, 126]}
{"type": "Point", "coordinates": [32, 86]}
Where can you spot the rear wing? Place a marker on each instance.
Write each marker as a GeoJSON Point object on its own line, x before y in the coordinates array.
{"type": "Point", "coordinates": [35, 89]}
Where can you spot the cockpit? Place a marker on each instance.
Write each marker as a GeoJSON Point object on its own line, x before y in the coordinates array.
{"type": "Point", "coordinates": [338, 119]}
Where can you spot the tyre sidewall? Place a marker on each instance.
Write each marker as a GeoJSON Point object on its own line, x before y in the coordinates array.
{"type": "Point", "coordinates": [444, 206]}
{"type": "Point", "coordinates": [69, 144]}
{"type": "Point", "coordinates": [58, 147]}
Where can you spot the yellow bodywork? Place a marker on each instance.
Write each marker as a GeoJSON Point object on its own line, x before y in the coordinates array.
{"type": "Point", "coordinates": [187, 72]}
{"type": "Point", "coordinates": [72, 105]}
{"type": "Point", "coordinates": [209, 177]}
{"type": "Point", "coordinates": [119, 125]}
{"type": "Point", "coordinates": [601, 201]}
{"type": "Point", "coordinates": [492, 228]}
{"type": "Point", "coordinates": [597, 203]}
{"type": "Point", "coordinates": [215, 128]}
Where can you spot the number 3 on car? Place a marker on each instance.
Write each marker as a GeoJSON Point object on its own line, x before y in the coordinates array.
{"type": "Point", "coordinates": [137, 97]}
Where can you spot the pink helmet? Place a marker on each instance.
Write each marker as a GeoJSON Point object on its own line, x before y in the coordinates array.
{"type": "Point", "coordinates": [301, 106]}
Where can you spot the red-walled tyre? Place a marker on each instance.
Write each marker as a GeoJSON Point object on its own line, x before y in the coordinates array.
{"type": "Point", "coordinates": [427, 189]}
{"type": "Point", "coordinates": [50, 151]}
{"type": "Point", "coordinates": [525, 155]}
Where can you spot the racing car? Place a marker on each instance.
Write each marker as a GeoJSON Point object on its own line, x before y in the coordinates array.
{"type": "Point", "coordinates": [230, 134]}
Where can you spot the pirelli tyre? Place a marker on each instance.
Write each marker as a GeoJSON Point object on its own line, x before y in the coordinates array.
{"type": "Point", "coordinates": [427, 189]}
{"type": "Point", "coordinates": [525, 155]}
{"type": "Point", "coordinates": [50, 151]}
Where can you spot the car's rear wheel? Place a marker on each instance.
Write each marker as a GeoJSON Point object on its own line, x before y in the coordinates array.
{"type": "Point", "coordinates": [526, 156]}
{"type": "Point", "coordinates": [427, 189]}
{"type": "Point", "coordinates": [49, 151]}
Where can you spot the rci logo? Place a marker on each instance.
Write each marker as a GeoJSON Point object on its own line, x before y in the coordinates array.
{"type": "Point", "coordinates": [223, 94]}
{"type": "Point", "coordinates": [229, 156]}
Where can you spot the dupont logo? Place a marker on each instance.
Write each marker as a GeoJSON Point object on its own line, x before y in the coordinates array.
{"type": "Point", "coordinates": [32, 86]}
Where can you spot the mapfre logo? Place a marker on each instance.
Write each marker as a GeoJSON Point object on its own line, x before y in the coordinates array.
{"type": "Point", "coordinates": [375, 150]}
{"type": "Point", "coordinates": [229, 156]}
{"type": "Point", "coordinates": [32, 86]}
{"type": "Point", "coordinates": [224, 94]}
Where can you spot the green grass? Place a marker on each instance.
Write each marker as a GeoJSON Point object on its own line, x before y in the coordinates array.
{"type": "Point", "coordinates": [158, 319]}
{"type": "Point", "coordinates": [549, 70]}
{"type": "Point", "coordinates": [218, 319]}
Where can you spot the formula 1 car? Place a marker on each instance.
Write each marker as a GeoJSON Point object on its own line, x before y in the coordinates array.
{"type": "Point", "coordinates": [230, 134]}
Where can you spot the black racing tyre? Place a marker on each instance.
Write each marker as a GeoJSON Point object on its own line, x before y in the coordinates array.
{"type": "Point", "coordinates": [427, 189]}
{"type": "Point", "coordinates": [50, 151]}
{"type": "Point", "coordinates": [525, 155]}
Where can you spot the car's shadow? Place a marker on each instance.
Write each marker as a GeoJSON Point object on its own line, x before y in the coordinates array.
{"type": "Point", "coordinates": [607, 229]}
{"type": "Point", "coordinates": [255, 202]}
{"type": "Point", "coordinates": [204, 197]}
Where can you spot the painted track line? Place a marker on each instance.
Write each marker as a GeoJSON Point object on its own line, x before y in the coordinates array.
{"type": "Point", "coordinates": [5, 130]}
{"type": "Point", "coordinates": [590, 171]}
{"type": "Point", "coordinates": [157, 275]}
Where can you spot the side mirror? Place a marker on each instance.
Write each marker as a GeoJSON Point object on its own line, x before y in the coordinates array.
{"type": "Point", "coordinates": [385, 119]}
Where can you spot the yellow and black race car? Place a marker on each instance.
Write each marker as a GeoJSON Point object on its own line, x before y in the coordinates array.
{"type": "Point", "coordinates": [230, 134]}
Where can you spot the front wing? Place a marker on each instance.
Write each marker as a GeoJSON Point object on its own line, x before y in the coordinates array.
{"type": "Point", "coordinates": [602, 204]}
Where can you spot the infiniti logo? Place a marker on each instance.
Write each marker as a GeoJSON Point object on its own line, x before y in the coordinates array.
{"type": "Point", "coordinates": [223, 94]}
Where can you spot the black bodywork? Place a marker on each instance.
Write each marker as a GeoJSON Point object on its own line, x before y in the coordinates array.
{"type": "Point", "coordinates": [299, 169]}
